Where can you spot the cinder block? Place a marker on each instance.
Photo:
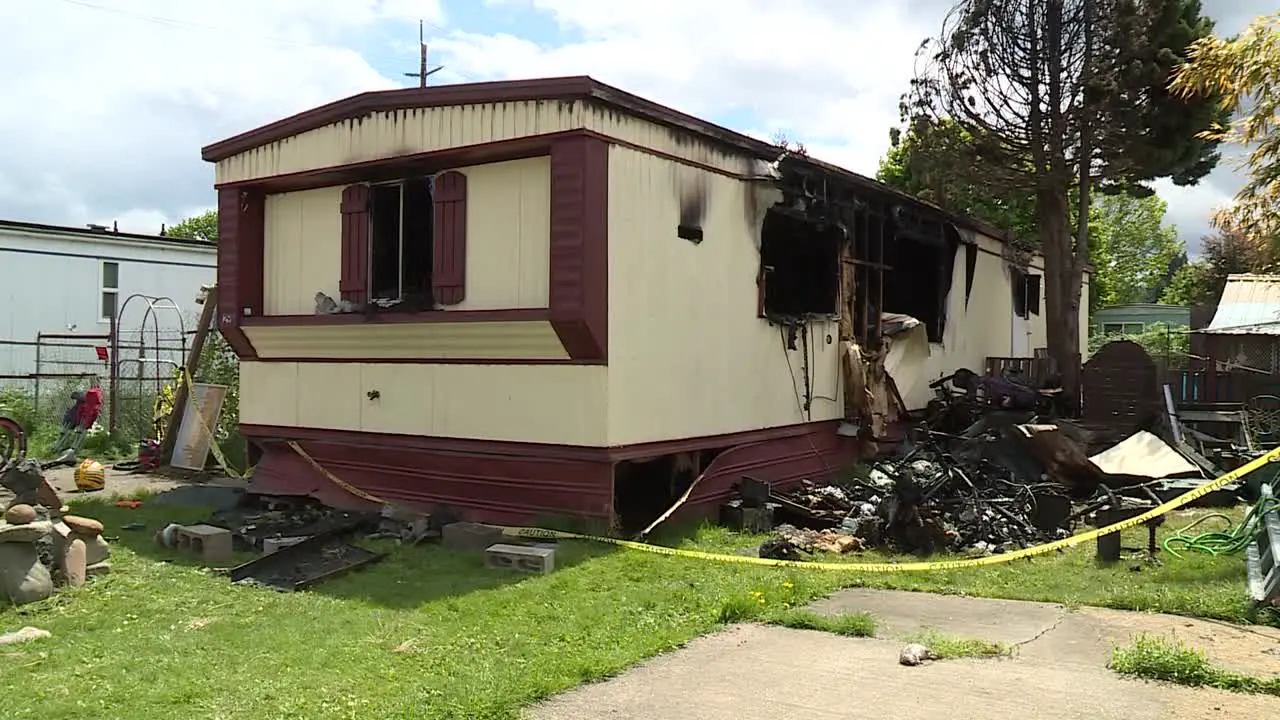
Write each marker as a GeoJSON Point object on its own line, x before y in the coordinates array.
{"type": "Point", "coordinates": [524, 558]}
{"type": "Point", "coordinates": [211, 544]}
{"type": "Point", "coordinates": [469, 536]}
{"type": "Point", "coordinates": [270, 545]}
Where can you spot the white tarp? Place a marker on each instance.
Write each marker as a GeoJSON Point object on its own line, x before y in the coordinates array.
{"type": "Point", "coordinates": [1144, 455]}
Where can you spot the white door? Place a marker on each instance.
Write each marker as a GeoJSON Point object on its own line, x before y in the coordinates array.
{"type": "Point", "coordinates": [1020, 344]}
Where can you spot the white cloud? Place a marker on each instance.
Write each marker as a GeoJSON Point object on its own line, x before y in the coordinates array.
{"type": "Point", "coordinates": [107, 103]}
{"type": "Point", "coordinates": [828, 74]}
{"type": "Point", "coordinates": [110, 108]}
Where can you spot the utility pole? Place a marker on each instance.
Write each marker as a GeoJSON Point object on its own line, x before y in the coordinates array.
{"type": "Point", "coordinates": [423, 72]}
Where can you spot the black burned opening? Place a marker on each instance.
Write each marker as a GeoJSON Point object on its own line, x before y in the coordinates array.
{"type": "Point", "coordinates": [400, 247]}
{"type": "Point", "coordinates": [1026, 293]}
{"type": "Point", "coordinates": [920, 280]}
{"type": "Point", "coordinates": [799, 265]}
{"type": "Point", "coordinates": [644, 490]}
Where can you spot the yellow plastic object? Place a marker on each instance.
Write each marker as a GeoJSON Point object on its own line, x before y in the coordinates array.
{"type": "Point", "coordinates": [90, 475]}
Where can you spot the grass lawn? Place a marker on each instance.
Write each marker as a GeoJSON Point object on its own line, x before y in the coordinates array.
{"type": "Point", "coordinates": [1166, 659]}
{"type": "Point", "coordinates": [433, 634]}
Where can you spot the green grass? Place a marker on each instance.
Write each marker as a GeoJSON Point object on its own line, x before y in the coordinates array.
{"type": "Point", "coordinates": [429, 633]}
{"type": "Point", "coordinates": [1167, 659]}
{"type": "Point", "coordinates": [948, 647]}
{"type": "Point", "coordinates": [851, 625]}
{"type": "Point", "coordinates": [1197, 585]}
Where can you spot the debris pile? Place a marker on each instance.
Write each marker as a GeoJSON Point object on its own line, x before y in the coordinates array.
{"type": "Point", "coordinates": [943, 493]}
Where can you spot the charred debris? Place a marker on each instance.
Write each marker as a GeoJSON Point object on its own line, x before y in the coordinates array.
{"type": "Point", "coordinates": [983, 470]}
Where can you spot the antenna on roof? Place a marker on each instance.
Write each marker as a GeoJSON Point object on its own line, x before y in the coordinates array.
{"type": "Point", "coordinates": [423, 72]}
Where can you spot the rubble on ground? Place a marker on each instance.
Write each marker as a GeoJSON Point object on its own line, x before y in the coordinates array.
{"type": "Point", "coordinates": [999, 478]}
{"type": "Point", "coordinates": [926, 501]}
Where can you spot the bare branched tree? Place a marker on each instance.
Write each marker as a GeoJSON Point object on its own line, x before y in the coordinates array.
{"type": "Point", "coordinates": [1061, 97]}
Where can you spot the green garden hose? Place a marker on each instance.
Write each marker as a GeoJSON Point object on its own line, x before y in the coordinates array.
{"type": "Point", "coordinates": [1232, 539]}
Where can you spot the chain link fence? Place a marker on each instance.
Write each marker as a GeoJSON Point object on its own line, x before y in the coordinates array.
{"type": "Point", "coordinates": [131, 370]}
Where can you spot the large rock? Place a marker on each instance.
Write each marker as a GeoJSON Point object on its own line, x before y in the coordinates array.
{"type": "Point", "coordinates": [28, 533]}
{"type": "Point", "coordinates": [23, 579]}
{"type": "Point", "coordinates": [73, 563]}
{"type": "Point", "coordinates": [20, 514]}
{"type": "Point", "coordinates": [96, 549]}
{"type": "Point", "coordinates": [83, 525]}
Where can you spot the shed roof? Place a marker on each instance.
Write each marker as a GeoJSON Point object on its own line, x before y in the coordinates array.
{"type": "Point", "coordinates": [566, 89]}
{"type": "Point", "coordinates": [1250, 305]}
{"type": "Point", "coordinates": [90, 234]}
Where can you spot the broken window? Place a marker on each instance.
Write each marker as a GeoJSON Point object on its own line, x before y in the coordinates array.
{"type": "Point", "coordinates": [1026, 293]}
{"type": "Point", "coordinates": [920, 280]}
{"type": "Point", "coordinates": [799, 266]}
{"type": "Point", "coordinates": [405, 239]}
{"type": "Point", "coordinates": [400, 239]}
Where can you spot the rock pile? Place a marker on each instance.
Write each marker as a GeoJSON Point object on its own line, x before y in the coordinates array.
{"type": "Point", "coordinates": [42, 548]}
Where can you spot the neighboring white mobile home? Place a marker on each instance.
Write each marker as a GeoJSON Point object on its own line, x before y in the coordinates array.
{"type": "Point", "coordinates": [76, 282]}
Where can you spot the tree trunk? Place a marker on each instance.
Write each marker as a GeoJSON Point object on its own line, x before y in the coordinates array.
{"type": "Point", "coordinates": [1061, 303]}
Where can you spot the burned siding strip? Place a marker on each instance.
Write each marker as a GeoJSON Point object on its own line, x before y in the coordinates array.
{"type": "Point", "coordinates": [449, 264]}
{"type": "Point", "coordinates": [579, 282]}
{"type": "Point", "coordinates": [970, 268]}
{"type": "Point", "coordinates": [241, 231]}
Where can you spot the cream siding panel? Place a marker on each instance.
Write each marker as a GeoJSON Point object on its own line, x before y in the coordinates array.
{"type": "Point", "coordinates": [410, 341]}
{"type": "Point", "coordinates": [687, 355]}
{"type": "Point", "coordinates": [560, 404]}
{"type": "Point", "coordinates": [402, 132]}
{"type": "Point", "coordinates": [268, 394]}
{"type": "Point", "coordinates": [406, 132]}
{"type": "Point", "coordinates": [328, 395]}
{"type": "Point", "coordinates": [508, 241]}
{"type": "Point", "coordinates": [406, 399]}
{"type": "Point", "coordinates": [302, 250]}
{"type": "Point", "coordinates": [976, 330]}
{"type": "Point", "coordinates": [662, 139]}
{"type": "Point", "coordinates": [508, 235]}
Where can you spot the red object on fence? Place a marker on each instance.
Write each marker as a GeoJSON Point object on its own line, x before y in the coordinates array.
{"type": "Point", "coordinates": [91, 408]}
{"type": "Point", "coordinates": [102, 354]}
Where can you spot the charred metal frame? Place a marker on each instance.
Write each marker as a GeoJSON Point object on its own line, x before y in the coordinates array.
{"type": "Point", "coordinates": [870, 218]}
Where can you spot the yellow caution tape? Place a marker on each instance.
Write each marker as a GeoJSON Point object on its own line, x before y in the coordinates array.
{"type": "Point", "coordinates": [334, 478]}
{"type": "Point", "coordinates": [1074, 540]}
{"type": "Point", "coordinates": [886, 567]}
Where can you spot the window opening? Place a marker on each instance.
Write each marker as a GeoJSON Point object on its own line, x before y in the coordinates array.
{"type": "Point", "coordinates": [109, 291]}
{"type": "Point", "coordinates": [919, 280]}
{"type": "Point", "coordinates": [400, 239]}
{"type": "Point", "coordinates": [799, 265]}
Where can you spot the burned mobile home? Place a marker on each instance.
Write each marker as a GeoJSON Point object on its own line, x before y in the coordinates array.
{"type": "Point", "coordinates": [551, 297]}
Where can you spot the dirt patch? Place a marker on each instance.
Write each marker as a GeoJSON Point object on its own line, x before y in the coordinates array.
{"type": "Point", "coordinates": [1247, 649]}
{"type": "Point", "coordinates": [119, 484]}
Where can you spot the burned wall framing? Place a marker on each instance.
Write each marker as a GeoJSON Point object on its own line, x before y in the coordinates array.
{"type": "Point", "coordinates": [872, 222]}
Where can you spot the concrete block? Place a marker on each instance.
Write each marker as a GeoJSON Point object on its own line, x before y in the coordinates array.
{"type": "Point", "coordinates": [270, 545]}
{"type": "Point", "coordinates": [211, 544]}
{"type": "Point", "coordinates": [472, 537]}
{"type": "Point", "coordinates": [525, 558]}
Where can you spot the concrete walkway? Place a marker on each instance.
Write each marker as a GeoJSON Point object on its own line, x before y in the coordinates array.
{"type": "Point", "coordinates": [1058, 671]}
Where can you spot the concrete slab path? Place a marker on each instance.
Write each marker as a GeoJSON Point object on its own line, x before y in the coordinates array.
{"type": "Point", "coordinates": [1058, 671]}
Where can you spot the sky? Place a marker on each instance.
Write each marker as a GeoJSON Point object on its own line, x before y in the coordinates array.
{"type": "Point", "coordinates": [105, 104]}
